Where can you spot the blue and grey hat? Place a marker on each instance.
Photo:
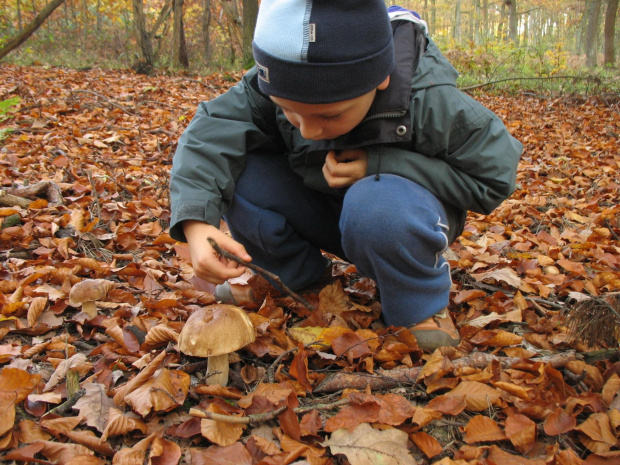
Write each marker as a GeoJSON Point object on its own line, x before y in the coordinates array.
{"type": "Point", "coordinates": [322, 51]}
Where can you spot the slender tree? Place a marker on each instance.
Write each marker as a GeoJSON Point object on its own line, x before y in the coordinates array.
{"type": "Point", "coordinates": [610, 29]}
{"type": "Point", "coordinates": [250, 11]}
{"type": "Point", "coordinates": [179, 49]}
{"type": "Point", "coordinates": [206, 22]}
{"type": "Point", "coordinates": [594, 15]}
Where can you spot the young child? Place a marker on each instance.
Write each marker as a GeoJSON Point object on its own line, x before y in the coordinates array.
{"type": "Point", "coordinates": [348, 136]}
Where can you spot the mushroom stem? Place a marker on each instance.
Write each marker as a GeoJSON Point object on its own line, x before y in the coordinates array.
{"type": "Point", "coordinates": [218, 365]}
{"type": "Point", "coordinates": [90, 308]}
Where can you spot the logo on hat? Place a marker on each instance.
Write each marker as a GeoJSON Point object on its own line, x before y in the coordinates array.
{"type": "Point", "coordinates": [263, 72]}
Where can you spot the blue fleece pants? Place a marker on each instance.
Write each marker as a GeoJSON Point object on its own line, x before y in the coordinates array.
{"type": "Point", "coordinates": [392, 229]}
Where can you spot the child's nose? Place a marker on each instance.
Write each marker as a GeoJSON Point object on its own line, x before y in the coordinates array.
{"type": "Point", "coordinates": [309, 129]}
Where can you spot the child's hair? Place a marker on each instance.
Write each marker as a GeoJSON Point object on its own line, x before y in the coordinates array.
{"type": "Point", "coordinates": [322, 51]}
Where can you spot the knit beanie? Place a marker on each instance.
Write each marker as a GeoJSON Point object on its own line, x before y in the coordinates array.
{"type": "Point", "coordinates": [322, 51]}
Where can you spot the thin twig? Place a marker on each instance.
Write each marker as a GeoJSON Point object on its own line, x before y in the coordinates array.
{"type": "Point", "coordinates": [103, 97]}
{"type": "Point", "coordinates": [70, 402]}
{"type": "Point", "coordinates": [230, 256]}
{"type": "Point", "coordinates": [267, 416]}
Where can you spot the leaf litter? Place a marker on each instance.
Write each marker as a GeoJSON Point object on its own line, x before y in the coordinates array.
{"type": "Point", "coordinates": [89, 156]}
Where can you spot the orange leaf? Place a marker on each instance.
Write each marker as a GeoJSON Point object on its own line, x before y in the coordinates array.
{"type": "Point", "coordinates": [483, 429]}
{"type": "Point", "coordinates": [497, 456]}
{"type": "Point", "coordinates": [164, 452]}
{"type": "Point", "coordinates": [572, 267]}
{"type": "Point", "coordinates": [559, 422]}
{"type": "Point", "coordinates": [450, 405]}
{"type": "Point", "coordinates": [521, 431]}
{"type": "Point", "coordinates": [427, 444]}
{"type": "Point", "coordinates": [235, 454]}
{"type": "Point", "coordinates": [221, 433]}
{"type": "Point", "coordinates": [598, 428]}
{"type": "Point", "coordinates": [477, 396]}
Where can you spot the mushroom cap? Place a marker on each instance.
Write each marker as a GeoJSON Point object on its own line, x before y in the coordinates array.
{"type": "Point", "coordinates": [89, 290]}
{"type": "Point", "coordinates": [216, 330]}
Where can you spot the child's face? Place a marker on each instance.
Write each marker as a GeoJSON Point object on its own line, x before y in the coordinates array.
{"type": "Point", "coordinates": [327, 120]}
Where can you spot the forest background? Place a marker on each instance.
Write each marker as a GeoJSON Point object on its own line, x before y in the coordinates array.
{"type": "Point", "coordinates": [540, 40]}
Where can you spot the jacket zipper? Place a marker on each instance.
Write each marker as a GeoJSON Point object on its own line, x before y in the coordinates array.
{"type": "Point", "coordinates": [385, 114]}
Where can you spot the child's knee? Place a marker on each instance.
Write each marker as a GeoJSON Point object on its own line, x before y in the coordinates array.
{"type": "Point", "coordinates": [394, 216]}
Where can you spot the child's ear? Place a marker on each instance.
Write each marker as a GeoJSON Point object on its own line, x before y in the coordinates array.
{"type": "Point", "coordinates": [384, 84]}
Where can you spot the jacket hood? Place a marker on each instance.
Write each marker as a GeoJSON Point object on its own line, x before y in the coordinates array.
{"type": "Point", "coordinates": [433, 70]}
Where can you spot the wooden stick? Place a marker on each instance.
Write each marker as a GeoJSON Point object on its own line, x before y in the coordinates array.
{"type": "Point", "coordinates": [262, 417]}
{"type": "Point", "coordinates": [385, 379]}
{"type": "Point", "coordinates": [230, 256]}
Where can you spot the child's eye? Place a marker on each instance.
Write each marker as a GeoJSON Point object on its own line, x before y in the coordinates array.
{"type": "Point", "coordinates": [330, 117]}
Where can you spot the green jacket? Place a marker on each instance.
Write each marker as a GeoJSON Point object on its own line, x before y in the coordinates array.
{"type": "Point", "coordinates": [421, 128]}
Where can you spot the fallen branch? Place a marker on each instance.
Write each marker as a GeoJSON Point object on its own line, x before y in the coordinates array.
{"type": "Point", "coordinates": [386, 379]}
{"type": "Point", "coordinates": [49, 189]}
{"type": "Point", "coordinates": [103, 97]}
{"type": "Point", "coordinates": [230, 256]}
{"type": "Point", "coordinates": [9, 200]}
{"type": "Point", "coordinates": [540, 78]}
{"type": "Point", "coordinates": [263, 417]}
{"type": "Point", "coordinates": [63, 408]}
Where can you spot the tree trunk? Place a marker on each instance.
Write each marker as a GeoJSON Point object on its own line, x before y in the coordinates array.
{"type": "Point", "coordinates": [12, 44]}
{"type": "Point", "coordinates": [513, 21]}
{"type": "Point", "coordinates": [594, 14]}
{"type": "Point", "coordinates": [502, 20]}
{"type": "Point", "coordinates": [233, 22]}
{"type": "Point", "coordinates": [179, 50]}
{"type": "Point", "coordinates": [610, 29]}
{"type": "Point", "coordinates": [206, 20]}
{"type": "Point", "coordinates": [485, 19]}
{"type": "Point", "coordinates": [250, 11]}
{"type": "Point", "coordinates": [144, 38]}
{"type": "Point", "coordinates": [456, 31]}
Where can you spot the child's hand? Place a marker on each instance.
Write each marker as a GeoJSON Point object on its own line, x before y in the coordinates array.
{"type": "Point", "coordinates": [208, 265]}
{"type": "Point", "coordinates": [344, 168]}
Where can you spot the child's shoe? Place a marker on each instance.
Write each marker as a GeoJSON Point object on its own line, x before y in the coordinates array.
{"type": "Point", "coordinates": [436, 331]}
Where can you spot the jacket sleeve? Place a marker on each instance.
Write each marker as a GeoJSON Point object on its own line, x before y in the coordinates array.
{"type": "Point", "coordinates": [461, 151]}
{"type": "Point", "coordinates": [211, 153]}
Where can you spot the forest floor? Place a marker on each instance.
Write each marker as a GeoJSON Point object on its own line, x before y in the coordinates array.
{"type": "Point", "coordinates": [535, 380]}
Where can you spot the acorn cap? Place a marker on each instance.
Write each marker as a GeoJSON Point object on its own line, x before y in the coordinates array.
{"type": "Point", "coordinates": [216, 330]}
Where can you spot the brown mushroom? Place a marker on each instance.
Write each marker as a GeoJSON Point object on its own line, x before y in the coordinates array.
{"type": "Point", "coordinates": [214, 332]}
{"type": "Point", "coordinates": [86, 293]}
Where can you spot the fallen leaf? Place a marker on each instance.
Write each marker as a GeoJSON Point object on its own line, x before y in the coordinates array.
{"type": "Point", "coordinates": [368, 446]}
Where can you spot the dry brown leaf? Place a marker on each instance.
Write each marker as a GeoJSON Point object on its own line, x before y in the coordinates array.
{"type": "Point", "coordinates": [482, 429]}
{"type": "Point", "coordinates": [164, 452]}
{"type": "Point", "coordinates": [477, 396]}
{"type": "Point", "coordinates": [521, 431]}
{"type": "Point", "coordinates": [221, 433]}
{"type": "Point", "coordinates": [427, 444]}
{"type": "Point", "coordinates": [15, 385]}
{"type": "Point", "coordinates": [118, 424]}
{"type": "Point", "coordinates": [366, 445]}
{"type": "Point", "coordinates": [94, 405]}
{"type": "Point", "coordinates": [35, 309]}
{"type": "Point", "coordinates": [166, 390]}
{"type": "Point", "coordinates": [559, 422]}
{"type": "Point", "coordinates": [77, 362]}
{"type": "Point", "coordinates": [160, 335]}
{"type": "Point", "coordinates": [234, 454]}
{"type": "Point", "coordinates": [332, 299]}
